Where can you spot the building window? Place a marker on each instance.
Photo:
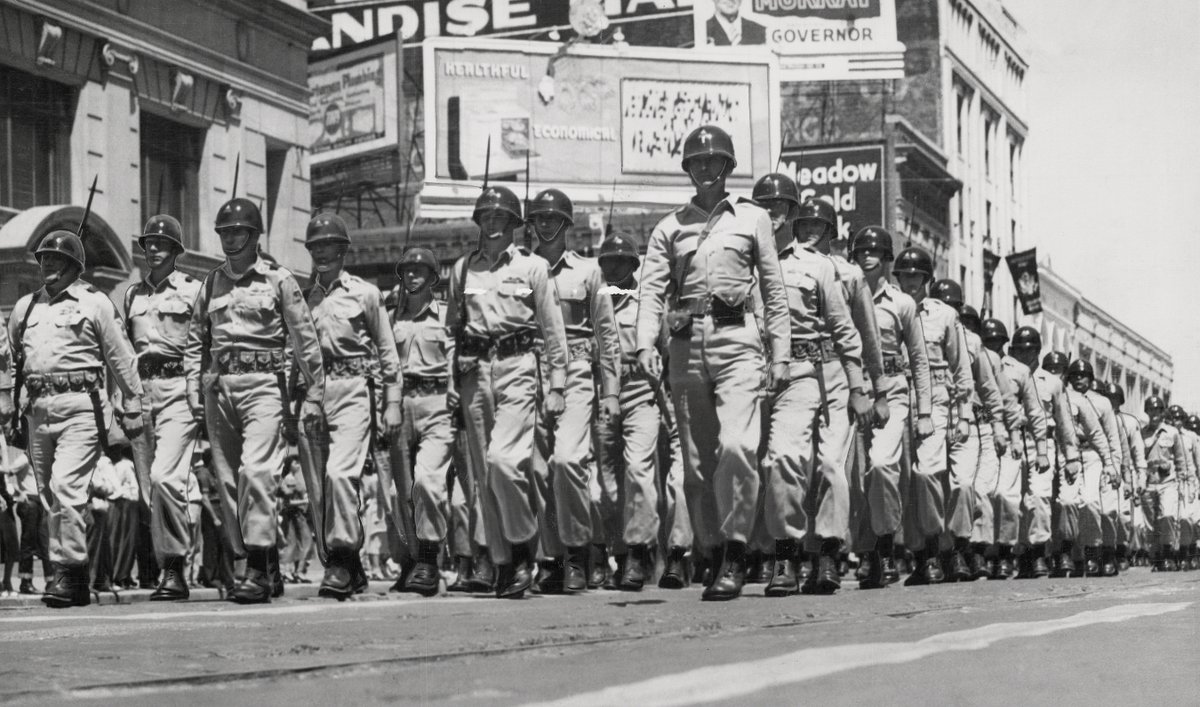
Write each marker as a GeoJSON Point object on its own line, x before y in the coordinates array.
{"type": "Point", "coordinates": [1012, 232]}
{"type": "Point", "coordinates": [170, 173]}
{"type": "Point", "coordinates": [276, 161]}
{"type": "Point", "coordinates": [989, 127]}
{"type": "Point", "coordinates": [960, 119]}
{"type": "Point", "coordinates": [1012, 170]}
{"type": "Point", "coordinates": [35, 131]}
{"type": "Point", "coordinates": [987, 222]}
{"type": "Point", "coordinates": [962, 276]}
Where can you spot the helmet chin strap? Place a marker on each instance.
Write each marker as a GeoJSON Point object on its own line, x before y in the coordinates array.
{"type": "Point", "coordinates": [253, 238]}
{"type": "Point", "coordinates": [553, 236]}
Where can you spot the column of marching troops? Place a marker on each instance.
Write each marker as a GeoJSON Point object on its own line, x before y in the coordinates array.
{"type": "Point", "coordinates": [738, 405]}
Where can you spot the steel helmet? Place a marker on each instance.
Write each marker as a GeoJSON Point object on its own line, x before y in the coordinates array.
{"type": "Point", "coordinates": [552, 201]}
{"type": "Point", "coordinates": [814, 209]}
{"type": "Point", "coordinates": [64, 243]}
{"type": "Point", "coordinates": [420, 256]}
{"type": "Point", "coordinates": [1079, 367]}
{"type": "Point", "coordinates": [914, 259]}
{"type": "Point", "coordinates": [869, 238]}
{"type": "Point", "coordinates": [1026, 337]}
{"type": "Point", "coordinates": [1055, 362]}
{"type": "Point", "coordinates": [1193, 423]}
{"type": "Point", "coordinates": [948, 291]}
{"type": "Point", "coordinates": [497, 199]}
{"type": "Point", "coordinates": [619, 246]}
{"type": "Point", "coordinates": [326, 227]}
{"type": "Point", "coordinates": [1175, 412]}
{"type": "Point", "coordinates": [708, 140]}
{"type": "Point", "coordinates": [1154, 404]}
{"type": "Point", "coordinates": [776, 187]}
{"type": "Point", "coordinates": [993, 330]}
{"type": "Point", "coordinates": [239, 212]}
{"type": "Point", "coordinates": [1115, 393]}
{"type": "Point", "coordinates": [969, 317]}
{"type": "Point", "coordinates": [163, 226]}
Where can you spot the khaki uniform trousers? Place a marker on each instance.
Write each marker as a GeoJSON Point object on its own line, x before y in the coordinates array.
{"type": "Point", "coordinates": [924, 495]}
{"type": "Point", "coordinates": [163, 455]}
{"type": "Point", "coordinates": [64, 445]}
{"type": "Point", "coordinates": [1005, 496]}
{"type": "Point", "coordinates": [348, 414]}
{"type": "Point", "coordinates": [629, 466]}
{"type": "Point", "coordinates": [1162, 505]}
{"type": "Point", "coordinates": [244, 414]}
{"type": "Point", "coordinates": [716, 377]}
{"type": "Point", "coordinates": [1035, 501]}
{"type": "Point", "coordinates": [987, 475]}
{"type": "Point", "coordinates": [676, 525]}
{"type": "Point", "coordinates": [568, 505]}
{"type": "Point", "coordinates": [466, 527]}
{"type": "Point", "coordinates": [876, 500]}
{"type": "Point", "coordinates": [961, 497]}
{"type": "Point", "coordinates": [431, 441]}
{"type": "Point", "coordinates": [805, 484]}
{"type": "Point", "coordinates": [1097, 504]}
{"type": "Point", "coordinates": [499, 402]}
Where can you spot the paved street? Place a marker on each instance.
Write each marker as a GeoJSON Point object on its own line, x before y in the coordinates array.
{"type": "Point", "coordinates": [1074, 641]}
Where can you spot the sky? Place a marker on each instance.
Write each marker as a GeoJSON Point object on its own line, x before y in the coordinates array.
{"type": "Point", "coordinates": [1113, 161]}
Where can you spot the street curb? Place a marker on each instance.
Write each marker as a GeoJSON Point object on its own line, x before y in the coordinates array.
{"type": "Point", "coordinates": [202, 594]}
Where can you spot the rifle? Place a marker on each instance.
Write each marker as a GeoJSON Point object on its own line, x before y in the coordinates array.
{"type": "Point", "coordinates": [612, 201]}
{"type": "Point", "coordinates": [528, 235]}
{"type": "Point", "coordinates": [460, 297]}
{"type": "Point", "coordinates": [237, 168]}
{"type": "Point", "coordinates": [87, 210]}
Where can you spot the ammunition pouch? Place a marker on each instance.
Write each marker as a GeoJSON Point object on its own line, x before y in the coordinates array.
{"type": "Point", "coordinates": [894, 366]}
{"type": "Point", "coordinates": [352, 367]}
{"type": "Point", "coordinates": [236, 362]}
{"type": "Point", "coordinates": [580, 350]}
{"type": "Point", "coordinates": [423, 386]}
{"type": "Point", "coordinates": [152, 366]}
{"type": "Point", "coordinates": [818, 351]}
{"type": "Point", "coordinates": [46, 384]}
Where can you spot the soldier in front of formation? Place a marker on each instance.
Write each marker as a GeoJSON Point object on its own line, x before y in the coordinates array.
{"type": "Point", "coordinates": [358, 352]}
{"type": "Point", "coordinates": [67, 340]}
{"type": "Point", "coordinates": [906, 383]}
{"type": "Point", "coordinates": [249, 319]}
{"type": "Point", "coordinates": [1166, 463]}
{"type": "Point", "coordinates": [507, 339]}
{"type": "Point", "coordinates": [702, 262]}
{"type": "Point", "coordinates": [592, 385]}
{"type": "Point", "coordinates": [158, 312]}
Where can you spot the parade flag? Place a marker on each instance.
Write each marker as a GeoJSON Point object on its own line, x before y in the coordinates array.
{"type": "Point", "coordinates": [1024, 270]}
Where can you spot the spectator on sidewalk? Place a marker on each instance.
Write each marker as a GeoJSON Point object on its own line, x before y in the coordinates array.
{"type": "Point", "coordinates": [104, 486]}
{"type": "Point", "coordinates": [295, 518]}
{"type": "Point", "coordinates": [34, 529]}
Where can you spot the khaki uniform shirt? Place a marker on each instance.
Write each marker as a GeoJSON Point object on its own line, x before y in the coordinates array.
{"type": "Point", "coordinates": [862, 310]}
{"type": "Point", "coordinates": [1033, 415]}
{"type": "Point", "coordinates": [720, 254]}
{"type": "Point", "coordinates": [158, 316]}
{"type": "Point", "coordinates": [421, 341]}
{"type": "Point", "coordinates": [946, 348]}
{"type": "Point", "coordinates": [587, 314]}
{"type": "Point", "coordinates": [1059, 423]}
{"type": "Point", "coordinates": [77, 330]}
{"type": "Point", "coordinates": [352, 322]}
{"type": "Point", "coordinates": [507, 296]}
{"type": "Point", "coordinates": [261, 309]}
{"type": "Point", "coordinates": [1165, 453]}
{"type": "Point", "coordinates": [901, 336]}
{"type": "Point", "coordinates": [1089, 427]}
{"type": "Point", "coordinates": [818, 310]}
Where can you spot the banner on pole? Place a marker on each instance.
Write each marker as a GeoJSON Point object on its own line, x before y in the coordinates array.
{"type": "Point", "coordinates": [1024, 270]}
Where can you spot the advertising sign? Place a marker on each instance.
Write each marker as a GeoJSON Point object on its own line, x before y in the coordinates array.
{"type": "Point", "coordinates": [1024, 270]}
{"type": "Point", "coordinates": [587, 119]}
{"type": "Point", "coordinates": [353, 104]}
{"type": "Point", "coordinates": [355, 21]}
{"type": "Point", "coordinates": [816, 40]}
{"type": "Point", "coordinates": [851, 178]}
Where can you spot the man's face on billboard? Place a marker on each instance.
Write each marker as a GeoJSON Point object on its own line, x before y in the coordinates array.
{"type": "Point", "coordinates": [728, 8]}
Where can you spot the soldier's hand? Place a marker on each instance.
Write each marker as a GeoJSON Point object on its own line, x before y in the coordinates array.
{"type": "Point", "coordinates": [881, 412]}
{"type": "Point", "coordinates": [196, 407]}
{"type": "Point", "coordinates": [1072, 470]}
{"type": "Point", "coordinates": [555, 403]}
{"type": "Point", "coordinates": [778, 376]}
{"type": "Point", "coordinates": [610, 407]}
{"type": "Point", "coordinates": [393, 420]}
{"type": "Point", "coordinates": [651, 363]}
{"type": "Point", "coordinates": [860, 407]}
{"type": "Point", "coordinates": [962, 431]}
{"type": "Point", "coordinates": [132, 423]}
{"type": "Point", "coordinates": [6, 406]}
{"type": "Point", "coordinates": [1043, 463]}
{"type": "Point", "coordinates": [1000, 439]}
{"type": "Point", "coordinates": [924, 426]}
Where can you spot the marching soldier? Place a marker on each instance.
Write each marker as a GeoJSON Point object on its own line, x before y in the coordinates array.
{"type": "Point", "coordinates": [158, 311]}
{"type": "Point", "coordinates": [795, 488]}
{"type": "Point", "coordinates": [1133, 475]}
{"type": "Point", "coordinates": [1166, 460]}
{"type": "Point", "coordinates": [593, 351]}
{"type": "Point", "coordinates": [249, 310]}
{"type": "Point", "coordinates": [419, 326]}
{"type": "Point", "coordinates": [1063, 444]}
{"type": "Point", "coordinates": [969, 460]}
{"type": "Point", "coordinates": [1187, 488]}
{"type": "Point", "coordinates": [710, 253]}
{"type": "Point", "coordinates": [1099, 497]}
{"type": "Point", "coordinates": [66, 338]}
{"type": "Point", "coordinates": [905, 366]}
{"type": "Point", "coordinates": [356, 341]}
{"type": "Point", "coordinates": [501, 304]}
{"type": "Point", "coordinates": [816, 226]}
{"type": "Point", "coordinates": [950, 374]}
{"type": "Point", "coordinates": [1028, 429]}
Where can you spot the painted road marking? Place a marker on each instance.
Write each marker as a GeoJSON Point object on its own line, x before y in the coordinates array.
{"type": "Point", "coordinates": [724, 682]}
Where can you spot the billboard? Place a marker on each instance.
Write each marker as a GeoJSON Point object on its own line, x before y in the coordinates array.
{"type": "Point", "coordinates": [587, 119]}
{"type": "Point", "coordinates": [353, 105]}
{"type": "Point", "coordinates": [850, 177]}
{"type": "Point", "coordinates": [816, 40]}
{"type": "Point", "coordinates": [356, 21]}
